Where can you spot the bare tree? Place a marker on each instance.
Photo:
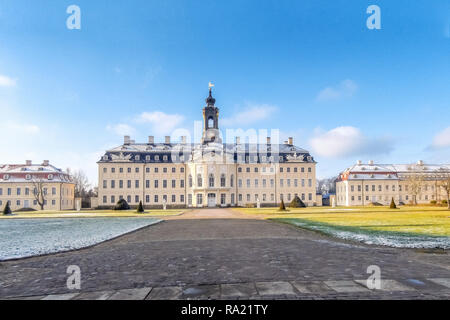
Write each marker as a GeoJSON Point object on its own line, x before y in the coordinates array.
{"type": "Point", "coordinates": [81, 183]}
{"type": "Point", "coordinates": [39, 191]}
{"type": "Point", "coordinates": [415, 184]}
{"type": "Point", "coordinates": [445, 185]}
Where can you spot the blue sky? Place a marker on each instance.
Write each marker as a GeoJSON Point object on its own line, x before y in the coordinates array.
{"type": "Point", "coordinates": [311, 69]}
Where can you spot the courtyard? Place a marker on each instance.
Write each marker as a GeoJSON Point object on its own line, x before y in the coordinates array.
{"type": "Point", "coordinates": [229, 254]}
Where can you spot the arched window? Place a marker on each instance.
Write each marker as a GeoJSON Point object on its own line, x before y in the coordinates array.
{"type": "Point", "coordinates": [211, 180]}
{"type": "Point", "coordinates": [190, 181]}
{"type": "Point", "coordinates": [222, 180]}
{"type": "Point", "coordinates": [199, 181]}
{"type": "Point", "coordinates": [210, 122]}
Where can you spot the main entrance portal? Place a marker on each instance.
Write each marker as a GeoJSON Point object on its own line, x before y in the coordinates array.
{"type": "Point", "coordinates": [212, 200]}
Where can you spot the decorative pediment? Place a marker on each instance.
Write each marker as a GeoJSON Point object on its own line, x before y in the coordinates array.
{"type": "Point", "coordinates": [295, 157]}
{"type": "Point", "coordinates": [121, 157]}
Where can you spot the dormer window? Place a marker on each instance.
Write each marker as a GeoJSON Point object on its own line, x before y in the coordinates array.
{"type": "Point", "coordinates": [6, 177]}
{"type": "Point", "coordinates": [28, 177]}
{"type": "Point", "coordinates": [157, 158]}
{"type": "Point", "coordinates": [105, 157]}
{"type": "Point", "coordinates": [147, 158]}
{"type": "Point", "coordinates": [137, 157]}
{"type": "Point", "coordinates": [165, 158]}
{"type": "Point", "coordinates": [50, 177]}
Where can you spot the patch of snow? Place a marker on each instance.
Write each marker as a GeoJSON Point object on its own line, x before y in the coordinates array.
{"type": "Point", "coordinates": [383, 239]}
{"type": "Point", "coordinates": [21, 238]}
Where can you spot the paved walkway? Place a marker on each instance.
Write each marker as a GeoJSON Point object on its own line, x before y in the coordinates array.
{"type": "Point", "coordinates": [201, 258]}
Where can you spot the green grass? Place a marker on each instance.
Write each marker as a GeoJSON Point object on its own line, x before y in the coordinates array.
{"type": "Point", "coordinates": [428, 221]}
{"type": "Point", "coordinates": [93, 214]}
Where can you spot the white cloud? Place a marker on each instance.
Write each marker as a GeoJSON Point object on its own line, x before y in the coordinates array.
{"type": "Point", "coordinates": [121, 129]}
{"type": "Point", "coordinates": [162, 123]}
{"type": "Point", "coordinates": [6, 81]}
{"type": "Point", "coordinates": [251, 114]}
{"type": "Point", "coordinates": [442, 139]}
{"type": "Point", "coordinates": [20, 128]}
{"type": "Point", "coordinates": [347, 141]}
{"type": "Point", "coordinates": [345, 89]}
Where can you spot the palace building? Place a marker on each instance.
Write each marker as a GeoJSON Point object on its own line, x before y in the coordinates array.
{"type": "Point", "coordinates": [209, 173]}
{"type": "Point", "coordinates": [365, 184]}
{"type": "Point", "coordinates": [29, 185]}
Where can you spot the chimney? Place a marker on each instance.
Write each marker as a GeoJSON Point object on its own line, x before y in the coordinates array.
{"type": "Point", "coordinates": [28, 163]}
{"type": "Point", "coordinates": [291, 141]}
{"type": "Point", "coordinates": [167, 140]}
{"type": "Point", "coordinates": [268, 140]}
{"type": "Point", "coordinates": [46, 162]}
{"type": "Point", "coordinates": [151, 140]}
{"type": "Point", "coordinates": [238, 140]}
{"type": "Point", "coordinates": [371, 162]}
{"type": "Point", "coordinates": [359, 162]}
{"type": "Point", "coordinates": [126, 140]}
{"type": "Point", "coordinates": [420, 162]}
{"type": "Point", "coordinates": [183, 139]}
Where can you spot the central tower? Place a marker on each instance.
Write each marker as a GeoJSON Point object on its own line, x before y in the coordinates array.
{"type": "Point", "coordinates": [211, 131]}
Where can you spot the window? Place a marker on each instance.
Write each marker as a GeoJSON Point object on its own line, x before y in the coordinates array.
{"type": "Point", "coordinates": [136, 170]}
{"type": "Point", "coordinates": [199, 180]}
{"type": "Point", "coordinates": [174, 198]}
{"type": "Point", "coordinates": [222, 180]}
{"type": "Point", "coordinates": [310, 183]}
{"type": "Point", "coordinates": [240, 197]}
{"type": "Point", "coordinates": [182, 170]}
{"type": "Point", "coordinates": [53, 191]}
{"type": "Point", "coordinates": [248, 183]}
{"type": "Point", "coordinates": [232, 198]}
{"type": "Point", "coordinates": [104, 170]}
{"type": "Point", "coordinates": [156, 170]}
{"type": "Point", "coordinates": [296, 183]}
{"type": "Point", "coordinates": [18, 191]}
{"type": "Point", "coordinates": [239, 169]}
{"type": "Point", "coordinates": [281, 182]}
{"type": "Point", "coordinates": [264, 183]}
{"type": "Point", "coordinates": [113, 170]}
{"type": "Point", "coordinates": [174, 170]}
{"type": "Point", "coordinates": [174, 183]}
{"type": "Point", "coordinates": [199, 198]}
{"type": "Point", "coordinates": [147, 198]}
{"type": "Point", "coordinates": [113, 184]}
{"type": "Point", "coordinates": [190, 199]}
{"type": "Point", "coordinates": [190, 181]}
{"type": "Point", "coordinates": [104, 199]}
{"type": "Point", "coordinates": [240, 183]}
{"type": "Point", "coordinates": [120, 184]}
{"type": "Point", "coordinates": [147, 184]}
{"type": "Point", "coordinates": [310, 196]}
{"type": "Point", "coordinates": [53, 202]}
{"type": "Point", "coordinates": [182, 198]}
{"type": "Point", "coordinates": [248, 198]}
{"type": "Point", "coordinates": [121, 170]}
{"type": "Point", "coordinates": [136, 184]}
{"type": "Point", "coordinates": [309, 170]}
{"type": "Point", "coordinates": [104, 184]}
{"type": "Point", "coordinates": [164, 184]}
{"type": "Point", "coordinates": [137, 157]}
{"type": "Point", "coordinates": [256, 183]}
{"type": "Point", "coordinates": [156, 198]}
{"type": "Point", "coordinates": [136, 199]}
{"type": "Point", "coordinates": [222, 198]}
{"type": "Point", "coordinates": [129, 170]}
{"type": "Point", "coordinates": [181, 183]}
{"type": "Point", "coordinates": [113, 199]}
{"type": "Point", "coordinates": [232, 181]}
{"type": "Point", "coordinates": [211, 181]}
{"type": "Point", "coordinates": [156, 184]}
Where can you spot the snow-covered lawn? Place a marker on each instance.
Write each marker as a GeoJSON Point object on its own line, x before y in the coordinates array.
{"type": "Point", "coordinates": [374, 237]}
{"type": "Point", "coordinates": [29, 237]}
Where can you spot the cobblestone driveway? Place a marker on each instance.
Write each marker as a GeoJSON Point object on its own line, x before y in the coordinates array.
{"type": "Point", "coordinates": [194, 256]}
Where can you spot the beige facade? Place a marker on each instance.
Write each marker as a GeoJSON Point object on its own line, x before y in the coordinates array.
{"type": "Point", "coordinates": [364, 184]}
{"type": "Point", "coordinates": [18, 184]}
{"type": "Point", "coordinates": [206, 174]}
